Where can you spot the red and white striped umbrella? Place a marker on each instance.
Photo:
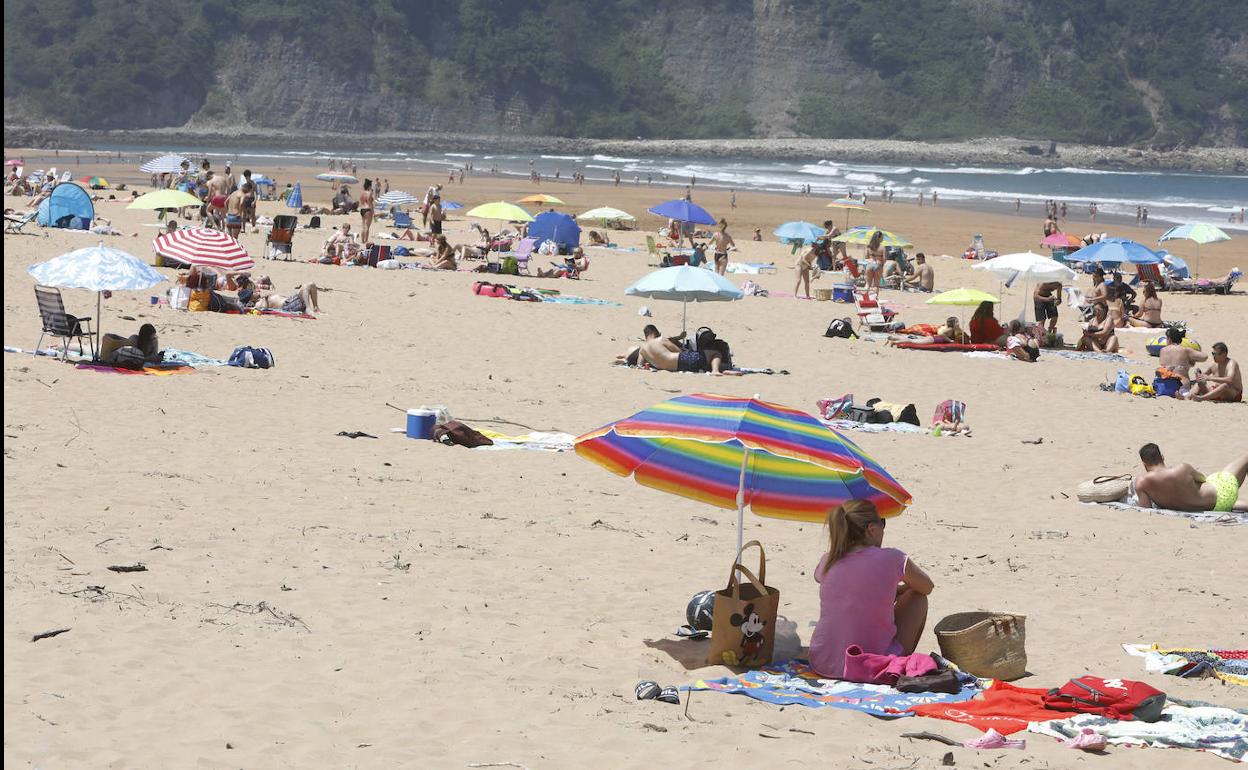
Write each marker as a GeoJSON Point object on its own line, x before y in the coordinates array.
{"type": "Point", "coordinates": [206, 247]}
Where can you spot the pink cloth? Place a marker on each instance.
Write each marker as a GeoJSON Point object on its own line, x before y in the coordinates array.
{"type": "Point", "coordinates": [871, 668]}
{"type": "Point", "coordinates": [856, 599]}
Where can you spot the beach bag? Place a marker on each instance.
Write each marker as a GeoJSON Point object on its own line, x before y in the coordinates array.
{"type": "Point", "coordinates": [248, 357]}
{"type": "Point", "coordinates": [743, 628]}
{"type": "Point", "coordinates": [985, 644]}
{"type": "Point", "coordinates": [1166, 386]}
{"type": "Point", "coordinates": [128, 357]}
{"type": "Point", "coordinates": [841, 327]}
{"type": "Point", "coordinates": [1104, 489]}
{"type": "Point", "coordinates": [199, 301]}
{"type": "Point", "coordinates": [454, 432]}
{"type": "Point", "coordinates": [509, 266]}
{"type": "Point", "coordinates": [1122, 699]}
{"type": "Point", "coordinates": [1140, 387]}
{"type": "Point", "coordinates": [1123, 383]}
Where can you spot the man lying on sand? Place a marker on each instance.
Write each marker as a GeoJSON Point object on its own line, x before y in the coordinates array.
{"type": "Point", "coordinates": [1183, 488]}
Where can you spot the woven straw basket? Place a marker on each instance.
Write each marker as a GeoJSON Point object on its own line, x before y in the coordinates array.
{"type": "Point", "coordinates": [823, 295]}
{"type": "Point", "coordinates": [985, 644]}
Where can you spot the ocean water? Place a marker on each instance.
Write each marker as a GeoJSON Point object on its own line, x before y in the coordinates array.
{"type": "Point", "coordinates": [1170, 196]}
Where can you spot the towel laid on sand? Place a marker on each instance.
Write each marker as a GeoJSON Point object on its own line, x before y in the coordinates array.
{"type": "Point", "coordinates": [160, 371]}
{"type": "Point", "coordinates": [1003, 707]}
{"type": "Point", "coordinates": [794, 682]}
{"type": "Point", "coordinates": [1204, 517]}
{"type": "Point", "coordinates": [751, 268]}
{"type": "Point", "coordinates": [1228, 665]}
{"type": "Point", "coordinates": [878, 427]}
{"type": "Point", "coordinates": [187, 358]}
{"type": "Point", "coordinates": [1087, 355]}
{"type": "Point", "coordinates": [540, 441]}
{"type": "Point", "coordinates": [1219, 731]}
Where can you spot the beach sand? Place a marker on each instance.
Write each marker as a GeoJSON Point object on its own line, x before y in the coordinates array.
{"type": "Point", "coordinates": [312, 600]}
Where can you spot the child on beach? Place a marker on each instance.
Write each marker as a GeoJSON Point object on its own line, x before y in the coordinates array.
{"type": "Point", "coordinates": [869, 596]}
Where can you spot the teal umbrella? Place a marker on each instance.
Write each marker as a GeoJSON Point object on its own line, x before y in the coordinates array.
{"type": "Point", "coordinates": [798, 231]}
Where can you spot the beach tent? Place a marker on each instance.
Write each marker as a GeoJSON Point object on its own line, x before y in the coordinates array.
{"type": "Point", "coordinates": [553, 226]}
{"type": "Point", "coordinates": [68, 206]}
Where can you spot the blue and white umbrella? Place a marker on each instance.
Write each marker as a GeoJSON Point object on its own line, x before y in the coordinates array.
{"type": "Point", "coordinates": [398, 198]}
{"type": "Point", "coordinates": [1116, 250]}
{"type": "Point", "coordinates": [685, 284]}
{"type": "Point", "coordinates": [98, 268]}
{"type": "Point", "coordinates": [295, 199]}
{"type": "Point", "coordinates": [799, 231]}
{"type": "Point", "coordinates": [339, 178]}
{"type": "Point", "coordinates": [165, 164]}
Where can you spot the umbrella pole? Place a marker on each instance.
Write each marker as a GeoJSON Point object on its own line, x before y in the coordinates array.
{"type": "Point", "coordinates": [99, 302]}
{"type": "Point", "coordinates": [745, 458]}
{"type": "Point", "coordinates": [684, 314]}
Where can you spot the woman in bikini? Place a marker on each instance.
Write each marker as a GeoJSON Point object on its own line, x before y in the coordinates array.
{"type": "Point", "coordinates": [1099, 335]}
{"type": "Point", "coordinates": [1149, 314]}
{"type": "Point", "coordinates": [366, 210]}
{"type": "Point", "coordinates": [443, 257]}
{"type": "Point", "coordinates": [804, 267]}
{"type": "Point", "coordinates": [875, 261]}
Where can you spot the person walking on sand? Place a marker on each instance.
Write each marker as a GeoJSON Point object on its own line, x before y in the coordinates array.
{"type": "Point", "coordinates": [733, 203]}
{"type": "Point", "coordinates": [366, 211]}
{"type": "Point", "coordinates": [1018, 206]}
{"type": "Point", "coordinates": [804, 267]}
{"type": "Point", "coordinates": [723, 242]}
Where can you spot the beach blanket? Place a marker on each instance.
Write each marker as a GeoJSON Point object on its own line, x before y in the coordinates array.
{"type": "Point", "coordinates": [271, 311]}
{"type": "Point", "coordinates": [569, 299]}
{"type": "Point", "coordinates": [794, 682]}
{"type": "Point", "coordinates": [946, 347]}
{"type": "Point", "coordinates": [1003, 707]}
{"type": "Point", "coordinates": [1204, 517]}
{"type": "Point", "coordinates": [159, 371]}
{"type": "Point", "coordinates": [1219, 731]}
{"type": "Point", "coordinates": [751, 268]}
{"type": "Point", "coordinates": [1228, 665]}
{"type": "Point", "coordinates": [1088, 355]}
{"type": "Point", "coordinates": [878, 427]}
{"type": "Point", "coordinates": [187, 358]}
{"type": "Point", "coordinates": [536, 440]}
{"type": "Point", "coordinates": [740, 370]}
{"type": "Point", "coordinates": [999, 355]}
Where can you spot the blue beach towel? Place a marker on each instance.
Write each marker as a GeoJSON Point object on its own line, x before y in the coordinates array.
{"type": "Point", "coordinates": [795, 683]}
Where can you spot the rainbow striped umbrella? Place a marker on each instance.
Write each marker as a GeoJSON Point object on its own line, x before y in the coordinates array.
{"type": "Point", "coordinates": [731, 452]}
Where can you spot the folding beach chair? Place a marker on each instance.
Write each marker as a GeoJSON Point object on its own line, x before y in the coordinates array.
{"type": "Point", "coordinates": [402, 219]}
{"type": "Point", "coordinates": [1150, 273]}
{"type": "Point", "coordinates": [282, 236]}
{"type": "Point", "coordinates": [13, 223]}
{"type": "Point", "coordinates": [60, 324]}
{"type": "Point", "coordinates": [524, 252]}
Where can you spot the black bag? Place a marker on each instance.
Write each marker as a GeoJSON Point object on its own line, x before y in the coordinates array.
{"type": "Point", "coordinates": [705, 340]}
{"type": "Point", "coordinates": [129, 357]}
{"type": "Point", "coordinates": [841, 327]}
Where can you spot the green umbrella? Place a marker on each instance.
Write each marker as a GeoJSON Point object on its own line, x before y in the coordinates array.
{"type": "Point", "coordinates": [165, 199]}
{"type": "Point", "coordinates": [607, 214]}
{"type": "Point", "coordinates": [1199, 233]}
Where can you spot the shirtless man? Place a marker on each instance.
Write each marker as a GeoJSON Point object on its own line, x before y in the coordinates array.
{"type": "Point", "coordinates": [723, 241]}
{"type": "Point", "coordinates": [1183, 488]}
{"type": "Point", "coordinates": [923, 278]}
{"type": "Point", "coordinates": [1222, 380]}
{"type": "Point", "coordinates": [1047, 296]}
{"type": "Point", "coordinates": [662, 353]}
{"type": "Point", "coordinates": [218, 192]}
{"type": "Point", "coordinates": [1176, 360]}
{"type": "Point", "coordinates": [234, 210]}
{"type": "Point", "coordinates": [231, 181]}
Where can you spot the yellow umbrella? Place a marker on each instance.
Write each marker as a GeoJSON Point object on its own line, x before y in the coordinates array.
{"type": "Point", "coordinates": [542, 199]}
{"type": "Point", "coordinates": [164, 199]}
{"type": "Point", "coordinates": [862, 235]}
{"type": "Point", "coordinates": [965, 297]}
{"type": "Point", "coordinates": [849, 204]}
{"type": "Point", "coordinates": [508, 212]}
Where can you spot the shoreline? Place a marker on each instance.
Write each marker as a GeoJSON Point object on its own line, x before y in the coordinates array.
{"type": "Point", "coordinates": [987, 151]}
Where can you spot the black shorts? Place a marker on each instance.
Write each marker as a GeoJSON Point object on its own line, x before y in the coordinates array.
{"type": "Point", "coordinates": [436, 227]}
{"type": "Point", "coordinates": [690, 361]}
{"type": "Point", "coordinates": [1046, 310]}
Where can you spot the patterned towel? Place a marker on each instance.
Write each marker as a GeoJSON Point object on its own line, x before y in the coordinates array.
{"type": "Point", "coordinates": [187, 358]}
{"type": "Point", "coordinates": [1227, 665]}
{"type": "Point", "coordinates": [1219, 731]}
{"type": "Point", "coordinates": [153, 370]}
{"type": "Point", "coordinates": [1204, 517]}
{"type": "Point", "coordinates": [794, 682]}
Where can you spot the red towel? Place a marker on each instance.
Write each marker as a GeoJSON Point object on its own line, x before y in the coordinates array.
{"type": "Point", "coordinates": [1003, 707]}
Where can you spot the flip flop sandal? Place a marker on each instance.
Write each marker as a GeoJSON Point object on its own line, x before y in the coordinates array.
{"type": "Point", "coordinates": [646, 690]}
{"type": "Point", "coordinates": [689, 632]}
{"type": "Point", "coordinates": [670, 695]}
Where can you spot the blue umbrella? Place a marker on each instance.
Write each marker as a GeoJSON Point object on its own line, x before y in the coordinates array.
{"type": "Point", "coordinates": [799, 231]}
{"type": "Point", "coordinates": [98, 268]}
{"type": "Point", "coordinates": [1116, 250]}
{"type": "Point", "coordinates": [686, 284]}
{"type": "Point", "coordinates": [553, 226]}
{"type": "Point", "coordinates": [451, 206]}
{"type": "Point", "coordinates": [683, 211]}
{"type": "Point", "coordinates": [295, 199]}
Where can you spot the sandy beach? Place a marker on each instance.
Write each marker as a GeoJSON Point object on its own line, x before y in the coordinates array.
{"type": "Point", "coordinates": [314, 600]}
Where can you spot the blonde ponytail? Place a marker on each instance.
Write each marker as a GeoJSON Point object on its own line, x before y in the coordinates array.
{"type": "Point", "coordinates": [847, 528]}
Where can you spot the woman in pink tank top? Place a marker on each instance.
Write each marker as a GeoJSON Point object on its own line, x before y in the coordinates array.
{"type": "Point", "coordinates": [870, 596]}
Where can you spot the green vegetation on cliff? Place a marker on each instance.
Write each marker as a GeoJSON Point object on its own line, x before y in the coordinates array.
{"type": "Point", "coordinates": [1102, 71]}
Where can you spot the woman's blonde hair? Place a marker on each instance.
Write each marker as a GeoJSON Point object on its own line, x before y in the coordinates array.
{"type": "Point", "coordinates": [847, 528]}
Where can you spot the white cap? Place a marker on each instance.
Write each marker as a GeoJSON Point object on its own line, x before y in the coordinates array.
{"type": "Point", "coordinates": [643, 310]}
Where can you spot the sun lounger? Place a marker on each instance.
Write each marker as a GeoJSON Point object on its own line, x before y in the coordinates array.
{"type": "Point", "coordinates": [1204, 286]}
{"type": "Point", "coordinates": [13, 223]}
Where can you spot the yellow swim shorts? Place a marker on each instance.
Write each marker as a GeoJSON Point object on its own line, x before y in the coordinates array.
{"type": "Point", "coordinates": [1227, 487]}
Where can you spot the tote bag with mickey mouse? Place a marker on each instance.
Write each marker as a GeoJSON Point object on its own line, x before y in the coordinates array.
{"type": "Point", "coordinates": [743, 629]}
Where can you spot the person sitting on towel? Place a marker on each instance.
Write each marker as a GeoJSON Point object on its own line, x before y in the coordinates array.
{"type": "Point", "coordinates": [596, 238]}
{"type": "Point", "coordinates": [146, 343]}
{"type": "Point", "coordinates": [1183, 488]}
{"type": "Point", "coordinates": [923, 278]}
{"type": "Point", "coordinates": [443, 256]}
{"type": "Point", "coordinates": [984, 327]}
{"type": "Point", "coordinates": [869, 596]}
{"type": "Point", "coordinates": [1222, 380]}
{"type": "Point", "coordinates": [1176, 360]}
{"type": "Point", "coordinates": [1149, 313]}
{"type": "Point", "coordinates": [1098, 335]}
{"type": "Point", "coordinates": [1019, 345]}
{"type": "Point", "coordinates": [341, 246]}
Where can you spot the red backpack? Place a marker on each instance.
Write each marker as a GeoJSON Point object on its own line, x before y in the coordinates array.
{"type": "Point", "coordinates": [1114, 698]}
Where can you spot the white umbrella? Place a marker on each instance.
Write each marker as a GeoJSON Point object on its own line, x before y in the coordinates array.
{"type": "Point", "coordinates": [98, 268]}
{"type": "Point", "coordinates": [1029, 266]}
{"type": "Point", "coordinates": [398, 198]}
{"type": "Point", "coordinates": [165, 164]}
{"type": "Point", "coordinates": [685, 284]}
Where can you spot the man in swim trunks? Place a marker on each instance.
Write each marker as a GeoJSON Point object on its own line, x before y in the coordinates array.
{"type": "Point", "coordinates": [218, 192]}
{"type": "Point", "coordinates": [723, 241]}
{"type": "Point", "coordinates": [662, 353]}
{"type": "Point", "coordinates": [1176, 359]}
{"type": "Point", "coordinates": [1222, 380]}
{"type": "Point", "coordinates": [1046, 296]}
{"type": "Point", "coordinates": [234, 210]}
{"type": "Point", "coordinates": [1183, 488]}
